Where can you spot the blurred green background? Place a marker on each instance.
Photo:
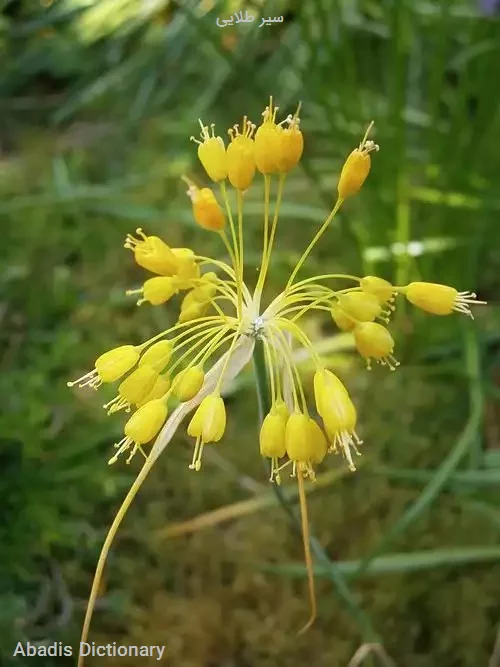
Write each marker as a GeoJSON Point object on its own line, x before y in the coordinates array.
{"type": "Point", "coordinates": [98, 100]}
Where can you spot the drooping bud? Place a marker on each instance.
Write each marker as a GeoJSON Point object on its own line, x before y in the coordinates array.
{"type": "Point", "coordinates": [240, 156]}
{"type": "Point", "coordinates": [133, 389]}
{"type": "Point", "coordinates": [158, 355]}
{"type": "Point", "coordinates": [373, 341]}
{"type": "Point", "coordinates": [162, 385]}
{"type": "Point", "coordinates": [299, 444]}
{"type": "Point", "coordinates": [207, 425]}
{"type": "Point", "coordinates": [152, 253]}
{"type": "Point", "coordinates": [356, 167]}
{"type": "Point", "coordinates": [212, 153]}
{"type": "Point", "coordinates": [344, 321]}
{"type": "Point", "coordinates": [379, 287]}
{"type": "Point", "coordinates": [142, 427]}
{"type": "Point", "coordinates": [272, 438]}
{"type": "Point", "coordinates": [439, 299]}
{"type": "Point", "coordinates": [330, 394]}
{"type": "Point", "coordinates": [337, 411]}
{"type": "Point", "coordinates": [209, 420]}
{"type": "Point", "coordinates": [188, 383]}
{"type": "Point", "coordinates": [361, 306]}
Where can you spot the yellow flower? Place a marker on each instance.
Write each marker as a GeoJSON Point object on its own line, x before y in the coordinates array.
{"type": "Point", "coordinates": [142, 427]}
{"type": "Point", "coordinates": [212, 153]}
{"type": "Point", "coordinates": [272, 438]}
{"type": "Point", "coordinates": [206, 288]}
{"type": "Point", "coordinates": [360, 306]}
{"type": "Point", "coordinates": [337, 411]}
{"type": "Point", "coordinates": [133, 389]}
{"type": "Point", "coordinates": [187, 270]}
{"type": "Point", "coordinates": [158, 355]}
{"type": "Point", "coordinates": [222, 320]}
{"type": "Point", "coordinates": [157, 290]}
{"type": "Point", "coordinates": [439, 299]}
{"type": "Point", "coordinates": [240, 156]}
{"type": "Point", "coordinates": [356, 167]}
{"type": "Point", "coordinates": [374, 341]}
{"type": "Point", "coordinates": [109, 367]}
{"type": "Point", "coordinates": [379, 287]}
{"type": "Point", "coordinates": [188, 383]}
{"type": "Point", "coordinates": [152, 254]}
{"type": "Point", "coordinates": [344, 321]}
{"type": "Point", "coordinates": [207, 425]}
{"type": "Point", "coordinates": [290, 145]}
{"type": "Point", "coordinates": [206, 210]}
{"type": "Point", "coordinates": [193, 306]}
{"type": "Point", "coordinates": [160, 390]}
{"type": "Point", "coordinates": [298, 440]}
{"type": "Point", "coordinates": [268, 143]}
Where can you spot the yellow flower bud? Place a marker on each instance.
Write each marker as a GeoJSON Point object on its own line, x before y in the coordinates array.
{"type": "Point", "coordinates": [240, 156]}
{"type": "Point", "coordinates": [291, 144]}
{"type": "Point", "coordinates": [439, 299]}
{"type": "Point", "coordinates": [360, 305]}
{"type": "Point", "coordinates": [109, 367]}
{"type": "Point", "coordinates": [158, 355]}
{"type": "Point", "coordinates": [341, 319]}
{"type": "Point", "coordinates": [152, 254]}
{"type": "Point", "coordinates": [159, 390]}
{"type": "Point", "coordinates": [112, 365]}
{"type": "Point", "coordinates": [188, 383]}
{"type": "Point", "coordinates": [158, 290]}
{"type": "Point", "coordinates": [142, 427]}
{"type": "Point", "coordinates": [299, 444]}
{"type": "Point", "coordinates": [207, 425]}
{"type": "Point", "coordinates": [329, 393]}
{"type": "Point", "coordinates": [374, 341]}
{"type": "Point", "coordinates": [206, 210]}
{"type": "Point", "coordinates": [379, 287]}
{"type": "Point", "coordinates": [133, 389]}
{"type": "Point", "coordinates": [209, 420]}
{"type": "Point", "coordinates": [212, 153]}
{"type": "Point", "coordinates": [268, 141]}
{"type": "Point", "coordinates": [272, 436]}
{"type": "Point", "coordinates": [356, 168]}
{"type": "Point", "coordinates": [337, 411]}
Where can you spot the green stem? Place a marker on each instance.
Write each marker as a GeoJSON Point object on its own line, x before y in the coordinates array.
{"type": "Point", "coordinates": [368, 633]}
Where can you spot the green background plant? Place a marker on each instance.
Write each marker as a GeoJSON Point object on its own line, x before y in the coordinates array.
{"type": "Point", "coordinates": [98, 101]}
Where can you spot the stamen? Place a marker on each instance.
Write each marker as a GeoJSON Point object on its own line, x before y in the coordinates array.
{"type": "Point", "coordinates": [122, 446]}
{"type": "Point", "coordinates": [90, 379]}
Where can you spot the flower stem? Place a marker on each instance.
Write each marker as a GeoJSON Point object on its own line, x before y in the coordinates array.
{"type": "Point", "coordinates": [363, 621]}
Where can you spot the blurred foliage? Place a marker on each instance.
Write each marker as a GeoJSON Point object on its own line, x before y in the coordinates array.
{"type": "Point", "coordinates": [98, 100]}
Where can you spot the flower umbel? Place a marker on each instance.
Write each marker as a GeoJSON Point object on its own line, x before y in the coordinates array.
{"type": "Point", "coordinates": [222, 319]}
